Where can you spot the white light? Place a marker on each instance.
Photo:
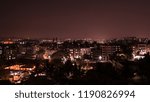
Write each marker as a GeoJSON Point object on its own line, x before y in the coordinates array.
{"type": "Point", "coordinates": [138, 57]}
{"type": "Point", "coordinates": [100, 57]}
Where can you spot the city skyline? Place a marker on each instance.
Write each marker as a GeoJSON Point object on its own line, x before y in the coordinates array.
{"type": "Point", "coordinates": [54, 62]}
{"type": "Point", "coordinates": [96, 19]}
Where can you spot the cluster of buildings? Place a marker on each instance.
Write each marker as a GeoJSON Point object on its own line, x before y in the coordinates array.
{"type": "Point", "coordinates": [19, 73]}
{"type": "Point", "coordinates": [76, 49]}
{"type": "Point", "coordinates": [85, 53]}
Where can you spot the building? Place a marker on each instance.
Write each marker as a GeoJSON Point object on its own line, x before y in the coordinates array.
{"type": "Point", "coordinates": [140, 50]}
{"type": "Point", "coordinates": [18, 73]}
{"type": "Point", "coordinates": [9, 51]}
{"type": "Point", "coordinates": [79, 52]}
{"type": "Point", "coordinates": [107, 51]}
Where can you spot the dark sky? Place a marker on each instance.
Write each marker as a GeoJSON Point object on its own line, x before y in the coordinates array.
{"type": "Point", "coordinates": [95, 19]}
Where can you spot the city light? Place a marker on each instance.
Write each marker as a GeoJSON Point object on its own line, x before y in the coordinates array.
{"type": "Point", "coordinates": [70, 60]}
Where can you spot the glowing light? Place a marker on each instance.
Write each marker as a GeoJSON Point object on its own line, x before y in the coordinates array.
{"type": "Point", "coordinates": [100, 57]}
{"type": "Point", "coordinates": [137, 57]}
{"type": "Point", "coordinates": [20, 68]}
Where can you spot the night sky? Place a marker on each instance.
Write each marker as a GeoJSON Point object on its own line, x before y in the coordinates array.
{"type": "Point", "coordinates": [96, 19]}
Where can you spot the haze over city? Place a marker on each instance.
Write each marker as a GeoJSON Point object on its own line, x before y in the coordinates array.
{"type": "Point", "coordinates": [96, 19]}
